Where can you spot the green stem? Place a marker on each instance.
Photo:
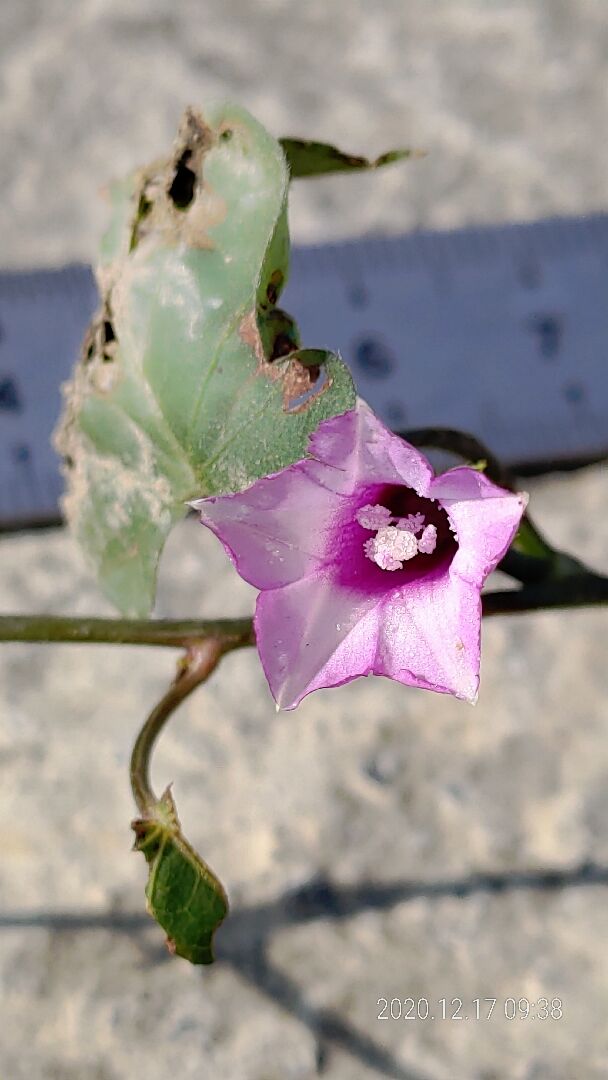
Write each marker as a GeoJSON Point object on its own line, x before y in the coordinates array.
{"type": "Point", "coordinates": [178, 633]}
{"type": "Point", "coordinates": [574, 590]}
{"type": "Point", "coordinates": [578, 590]}
{"type": "Point", "coordinates": [464, 445]}
{"type": "Point", "coordinates": [194, 668]}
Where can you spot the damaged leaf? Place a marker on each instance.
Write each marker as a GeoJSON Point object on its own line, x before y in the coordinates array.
{"type": "Point", "coordinates": [308, 158]}
{"type": "Point", "coordinates": [183, 894]}
{"type": "Point", "coordinates": [189, 383]}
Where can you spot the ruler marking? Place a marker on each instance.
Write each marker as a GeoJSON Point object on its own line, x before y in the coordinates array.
{"type": "Point", "coordinates": [550, 238]}
{"type": "Point", "coordinates": [500, 329]}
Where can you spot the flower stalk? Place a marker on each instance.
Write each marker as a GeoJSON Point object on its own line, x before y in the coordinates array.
{"type": "Point", "coordinates": [195, 667]}
{"type": "Point", "coordinates": [183, 893]}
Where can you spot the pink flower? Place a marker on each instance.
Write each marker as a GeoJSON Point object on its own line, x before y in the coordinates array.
{"type": "Point", "coordinates": [367, 563]}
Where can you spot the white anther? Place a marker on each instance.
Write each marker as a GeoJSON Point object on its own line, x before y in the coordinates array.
{"type": "Point", "coordinates": [402, 542]}
{"type": "Point", "coordinates": [391, 547]}
{"type": "Point", "coordinates": [413, 522]}
{"type": "Point", "coordinates": [428, 541]}
{"type": "Point", "coordinates": [373, 516]}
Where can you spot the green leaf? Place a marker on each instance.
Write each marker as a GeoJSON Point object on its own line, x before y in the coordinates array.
{"type": "Point", "coordinates": [183, 894]}
{"type": "Point", "coordinates": [531, 559]}
{"type": "Point", "coordinates": [528, 541]}
{"type": "Point", "coordinates": [308, 158]}
{"type": "Point", "coordinates": [190, 383]}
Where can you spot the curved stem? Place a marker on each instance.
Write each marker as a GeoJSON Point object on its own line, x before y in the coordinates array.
{"type": "Point", "coordinates": [178, 633]}
{"type": "Point", "coordinates": [463, 444]}
{"type": "Point", "coordinates": [578, 590]}
{"type": "Point", "coordinates": [194, 668]}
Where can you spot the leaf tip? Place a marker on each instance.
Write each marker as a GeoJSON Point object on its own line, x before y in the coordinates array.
{"type": "Point", "coordinates": [183, 894]}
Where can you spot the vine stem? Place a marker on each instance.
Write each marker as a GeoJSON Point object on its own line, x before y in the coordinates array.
{"type": "Point", "coordinates": [583, 589]}
{"type": "Point", "coordinates": [194, 668]}
{"type": "Point", "coordinates": [578, 590]}
{"type": "Point", "coordinates": [463, 444]}
{"type": "Point", "coordinates": [179, 633]}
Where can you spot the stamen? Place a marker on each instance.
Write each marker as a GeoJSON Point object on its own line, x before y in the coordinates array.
{"type": "Point", "coordinates": [413, 522]}
{"type": "Point", "coordinates": [395, 542]}
{"type": "Point", "coordinates": [428, 541]}
{"type": "Point", "coordinates": [403, 543]}
{"type": "Point", "coordinates": [391, 548]}
{"type": "Point", "coordinates": [386, 561]}
{"type": "Point", "coordinates": [374, 516]}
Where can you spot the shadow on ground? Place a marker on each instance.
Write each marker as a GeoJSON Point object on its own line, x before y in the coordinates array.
{"type": "Point", "coordinates": [243, 941]}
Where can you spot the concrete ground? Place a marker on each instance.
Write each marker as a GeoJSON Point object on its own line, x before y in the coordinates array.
{"type": "Point", "coordinates": [379, 842]}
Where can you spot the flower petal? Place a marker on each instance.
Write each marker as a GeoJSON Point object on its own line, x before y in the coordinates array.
{"type": "Point", "coordinates": [326, 613]}
{"type": "Point", "coordinates": [268, 531]}
{"type": "Point", "coordinates": [485, 519]}
{"type": "Point", "coordinates": [312, 634]}
{"type": "Point", "coordinates": [430, 635]}
{"type": "Point", "coordinates": [280, 529]}
{"type": "Point", "coordinates": [355, 449]}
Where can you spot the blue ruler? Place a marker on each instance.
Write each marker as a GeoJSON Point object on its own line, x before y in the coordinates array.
{"type": "Point", "coordinates": [501, 331]}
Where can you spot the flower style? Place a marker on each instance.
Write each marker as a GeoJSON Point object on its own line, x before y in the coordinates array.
{"type": "Point", "coordinates": [367, 563]}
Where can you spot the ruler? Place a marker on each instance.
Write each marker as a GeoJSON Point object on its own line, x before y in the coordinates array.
{"type": "Point", "coordinates": [501, 331]}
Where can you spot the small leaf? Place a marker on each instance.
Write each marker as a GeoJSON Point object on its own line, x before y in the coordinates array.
{"type": "Point", "coordinates": [558, 564]}
{"type": "Point", "coordinates": [183, 894]}
{"type": "Point", "coordinates": [531, 559]}
{"type": "Point", "coordinates": [308, 158]}
{"type": "Point", "coordinates": [187, 383]}
{"type": "Point", "coordinates": [528, 541]}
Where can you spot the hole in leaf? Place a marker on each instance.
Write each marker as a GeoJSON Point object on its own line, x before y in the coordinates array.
{"type": "Point", "coordinates": [314, 373]}
{"type": "Point", "coordinates": [303, 383]}
{"type": "Point", "coordinates": [107, 337]}
{"type": "Point", "coordinates": [183, 185]}
{"type": "Point", "coordinates": [282, 346]}
{"type": "Point", "coordinates": [144, 207]}
{"type": "Point", "coordinates": [278, 332]}
{"type": "Point", "coordinates": [274, 287]}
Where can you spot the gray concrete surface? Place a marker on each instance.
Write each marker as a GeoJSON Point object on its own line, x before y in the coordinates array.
{"type": "Point", "coordinates": [379, 842]}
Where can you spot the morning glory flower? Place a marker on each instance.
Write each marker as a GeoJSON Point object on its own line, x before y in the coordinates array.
{"type": "Point", "coordinates": [367, 563]}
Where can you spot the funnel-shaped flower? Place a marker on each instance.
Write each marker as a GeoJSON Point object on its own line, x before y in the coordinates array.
{"type": "Point", "coordinates": [367, 562]}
